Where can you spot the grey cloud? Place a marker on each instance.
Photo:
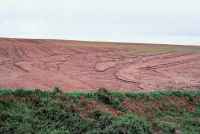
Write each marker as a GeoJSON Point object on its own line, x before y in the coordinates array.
{"type": "Point", "coordinates": [175, 21]}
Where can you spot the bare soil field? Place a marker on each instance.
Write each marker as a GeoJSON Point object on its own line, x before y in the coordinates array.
{"type": "Point", "coordinates": [86, 66]}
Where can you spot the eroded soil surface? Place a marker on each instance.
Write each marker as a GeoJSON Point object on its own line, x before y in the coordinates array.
{"type": "Point", "coordinates": [73, 65]}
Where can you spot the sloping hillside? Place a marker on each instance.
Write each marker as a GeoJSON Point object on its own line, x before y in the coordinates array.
{"type": "Point", "coordinates": [75, 65]}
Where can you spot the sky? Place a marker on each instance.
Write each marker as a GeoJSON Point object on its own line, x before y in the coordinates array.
{"type": "Point", "coordinates": [153, 21]}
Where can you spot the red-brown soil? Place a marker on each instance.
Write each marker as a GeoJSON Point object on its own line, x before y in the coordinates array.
{"type": "Point", "coordinates": [144, 107]}
{"type": "Point", "coordinates": [84, 66]}
{"type": "Point", "coordinates": [86, 107]}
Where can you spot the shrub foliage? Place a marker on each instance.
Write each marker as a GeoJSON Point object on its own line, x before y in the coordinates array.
{"type": "Point", "coordinates": [39, 112]}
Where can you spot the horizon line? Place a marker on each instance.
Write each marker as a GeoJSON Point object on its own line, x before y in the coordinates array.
{"type": "Point", "coordinates": [104, 41]}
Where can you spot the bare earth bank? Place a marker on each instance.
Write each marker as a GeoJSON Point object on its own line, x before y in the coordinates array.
{"type": "Point", "coordinates": [76, 65]}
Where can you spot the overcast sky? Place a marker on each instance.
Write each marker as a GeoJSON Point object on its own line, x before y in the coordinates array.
{"type": "Point", "coordinates": [165, 21]}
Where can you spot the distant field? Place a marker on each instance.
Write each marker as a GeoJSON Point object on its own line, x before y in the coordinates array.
{"type": "Point", "coordinates": [101, 112]}
{"type": "Point", "coordinates": [85, 66]}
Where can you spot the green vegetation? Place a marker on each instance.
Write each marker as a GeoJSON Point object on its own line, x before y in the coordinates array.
{"type": "Point", "coordinates": [101, 112]}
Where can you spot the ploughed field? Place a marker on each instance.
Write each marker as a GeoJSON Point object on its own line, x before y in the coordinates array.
{"type": "Point", "coordinates": [84, 66]}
